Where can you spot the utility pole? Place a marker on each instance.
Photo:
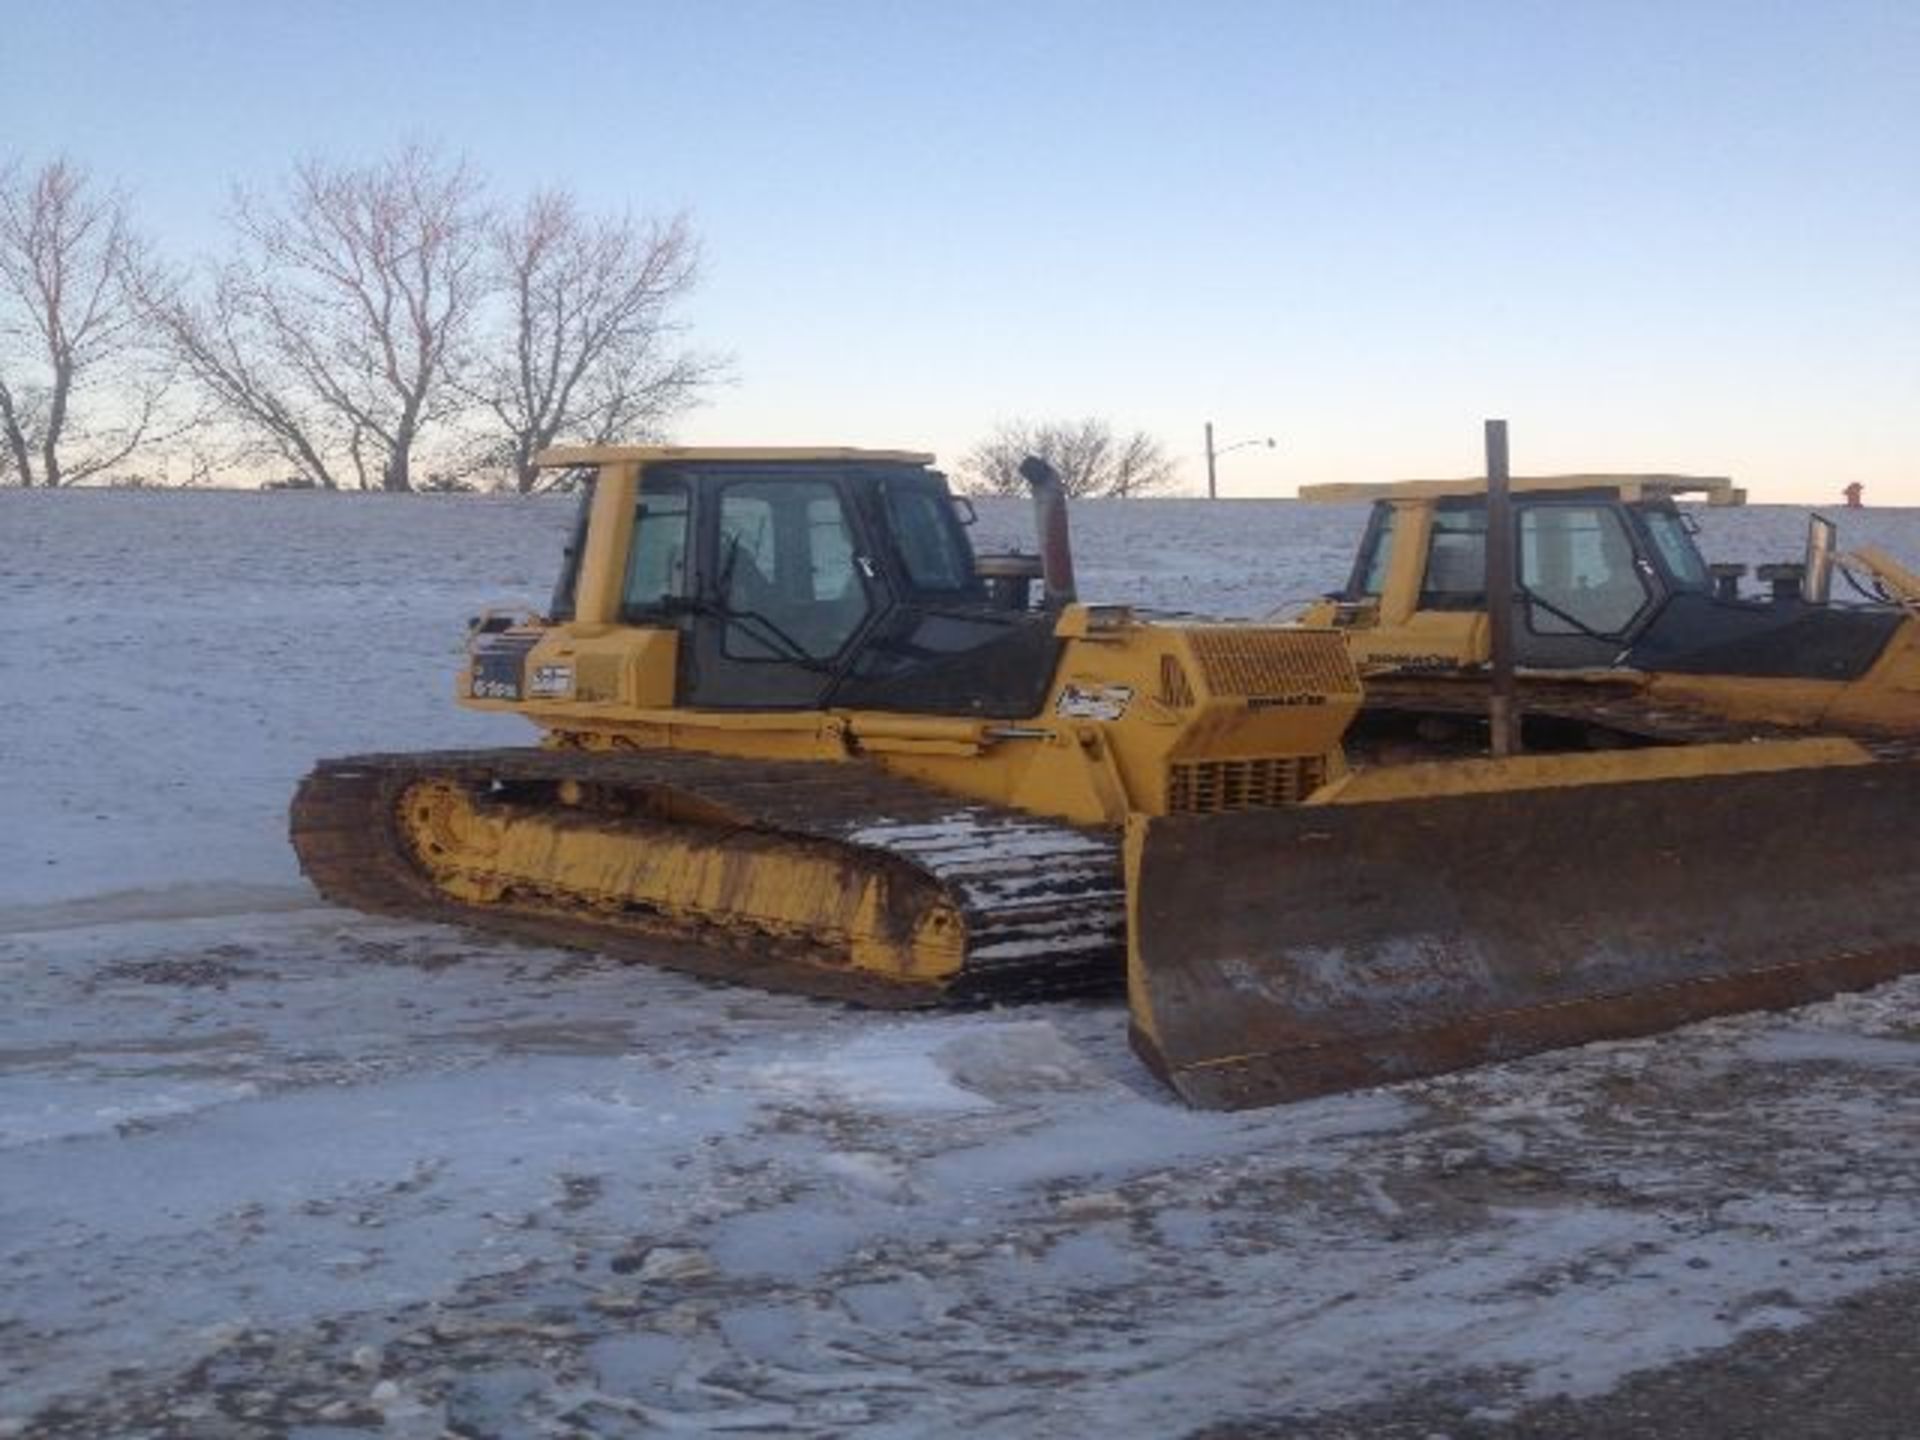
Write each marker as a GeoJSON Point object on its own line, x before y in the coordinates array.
{"type": "Point", "coordinates": [1213, 484]}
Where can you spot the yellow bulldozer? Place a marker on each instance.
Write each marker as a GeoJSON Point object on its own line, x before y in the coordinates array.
{"type": "Point", "coordinates": [1623, 632]}
{"type": "Point", "coordinates": [797, 733]}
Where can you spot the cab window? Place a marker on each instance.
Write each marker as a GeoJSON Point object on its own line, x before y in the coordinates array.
{"type": "Point", "coordinates": [1376, 554]}
{"type": "Point", "coordinates": [561, 607]}
{"type": "Point", "coordinates": [1578, 568]}
{"type": "Point", "coordinates": [1673, 538]}
{"type": "Point", "coordinates": [788, 577]}
{"type": "Point", "coordinates": [933, 553]}
{"type": "Point", "coordinates": [1456, 577]}
{"type": "Point", "coordinates": [657, 556]}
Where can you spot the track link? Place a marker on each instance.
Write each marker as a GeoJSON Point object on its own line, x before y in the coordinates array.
{"type": "Point", "coordinates": [1043, 902]}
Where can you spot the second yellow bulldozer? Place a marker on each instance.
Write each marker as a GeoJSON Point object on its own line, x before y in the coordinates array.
{"type": "Point", "coordinates": [797, 732]}
{"type": "Point", "coordinates": [1623, 632]}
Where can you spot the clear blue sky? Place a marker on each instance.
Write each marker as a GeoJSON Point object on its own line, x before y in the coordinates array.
{"type": "Point", "coordinates": [1653, 235]}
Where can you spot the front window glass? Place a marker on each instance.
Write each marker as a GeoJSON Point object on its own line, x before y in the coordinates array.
{"type": "Point", "coordinates": [935, 556]}
{"type": "Point", "coordinates": [1456, 562]}
{"type": "Point", "coordinates": [1678, 553]}
{"type": "Point", "coordinates": [1577, 565]}
{"type": "Point", "coordinates": [657, 558]}
{"type": "Point", "coordinates": [1373, 571]}
{"type": "Point", "coordinates": [787, 573]}
{"type": "Point", "coordinates": [561, 606]}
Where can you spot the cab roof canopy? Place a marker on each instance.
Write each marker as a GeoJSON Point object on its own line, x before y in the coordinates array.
{"type": "Point", "coordinates": [1718, 490]}
{"type": "Point", "coordinates": [567, 457]}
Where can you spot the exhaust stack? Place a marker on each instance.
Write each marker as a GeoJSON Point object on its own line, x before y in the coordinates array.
{"type": "Point", "coordinates": [1050, 520]}
{"type": "Point", "coordinates": [1822, 535]}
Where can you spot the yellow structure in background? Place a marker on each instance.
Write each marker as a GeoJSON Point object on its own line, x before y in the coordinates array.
{"type": "Point", "coordinates": [1398, 632]}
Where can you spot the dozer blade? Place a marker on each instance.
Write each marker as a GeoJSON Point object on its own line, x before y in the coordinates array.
{"type": "Point", "coordinates": [1511, 907]}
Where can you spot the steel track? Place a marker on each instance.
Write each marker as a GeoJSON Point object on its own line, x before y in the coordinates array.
{"type": "Point", "coordinates": [1044, 902]}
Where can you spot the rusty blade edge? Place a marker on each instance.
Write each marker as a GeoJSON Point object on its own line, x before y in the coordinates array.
{"type": "Point", "coordinates": [1307, 1071]}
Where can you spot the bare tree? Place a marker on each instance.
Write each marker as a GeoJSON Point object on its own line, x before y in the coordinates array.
{"type": "Point", "coordinates": [590, 349]}
{"type": "Point", "coordinates": [80, 387]}
{"type": "Point", "coordinates": [224, 335]}
{"type": "Point", "coordinates": [333, 335]}
{"type": "Point", "coordinates": [1091, 458]}
{"type": "Point", "coordinates": [363, 309]}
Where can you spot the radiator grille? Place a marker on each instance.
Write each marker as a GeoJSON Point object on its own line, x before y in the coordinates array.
{"type": "Point", "coordinates": [1209, 787]}
{"type": "Point", "coordinates": [1240, 661]}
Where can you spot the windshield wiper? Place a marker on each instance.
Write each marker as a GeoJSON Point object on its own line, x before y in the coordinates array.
{"type": "Point", "coordinates": [769, 633]}
{"type": "Point", "coordinates": [1533, 597]}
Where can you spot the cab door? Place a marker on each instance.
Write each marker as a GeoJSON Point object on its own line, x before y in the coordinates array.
{"type": "Point", "coordinates": [786, 590]}
{"type": "Point", "coordinates": [1585, 590]}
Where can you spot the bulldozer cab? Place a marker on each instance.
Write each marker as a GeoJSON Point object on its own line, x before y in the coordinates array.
{"type": "Point", "coordinates": [1609, 574]}
{"type": "Point", "coordinates": [800, 580]}
{"type": "Point", "coordinates": [1593, 570]}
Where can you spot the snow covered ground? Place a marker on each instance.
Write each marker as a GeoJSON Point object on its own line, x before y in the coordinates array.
{"type": "Point", "coordinates": [267, 1167]}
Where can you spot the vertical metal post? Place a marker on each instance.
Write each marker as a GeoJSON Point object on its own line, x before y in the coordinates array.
{"type": "Point", "coordinates": [609, 525]}
{"type": "Point", "coordinates": [1502, 715]}
{"type": "Point", "coordinates": [1213, 492]}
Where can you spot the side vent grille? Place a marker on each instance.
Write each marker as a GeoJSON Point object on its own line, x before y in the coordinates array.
{"type": "Point", "coordinates": [1176, 691]}
{"type": "Point", "coordinates": [1212, 787]}
{"type": "Point", "coordinates": [1245, 662]}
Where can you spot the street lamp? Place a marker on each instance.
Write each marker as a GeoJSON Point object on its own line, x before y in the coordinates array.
{"type": "Point", "coordinates": [1213, 490]}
